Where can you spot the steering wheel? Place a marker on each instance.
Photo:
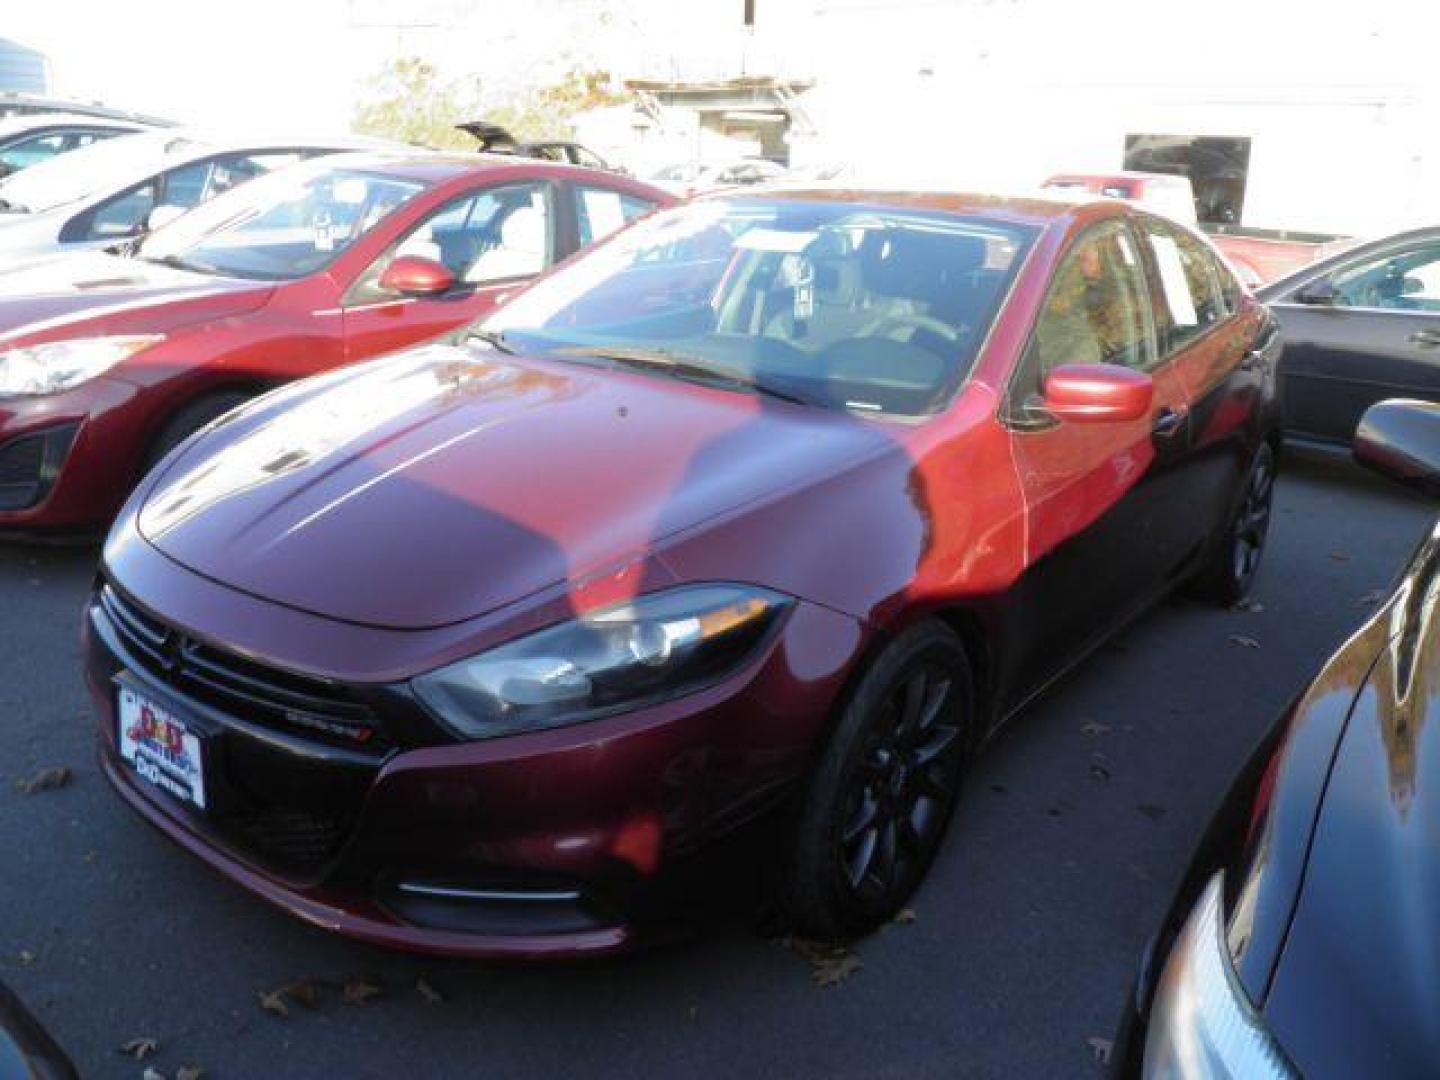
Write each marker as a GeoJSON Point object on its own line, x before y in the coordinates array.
{"type": "Point", "coordinates": [916, 322]}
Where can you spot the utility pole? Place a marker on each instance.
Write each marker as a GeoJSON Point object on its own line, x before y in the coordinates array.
{"type": "Point", "coordinates": [749, 18]}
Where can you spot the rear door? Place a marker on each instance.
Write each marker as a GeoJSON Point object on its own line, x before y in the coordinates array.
{"type": "Point", "coordinates": [492, 239]}
{"type": "Point", "coordinates": [1207, 333]}
{"type": "Point", "coordinates": [1102, 499]}
{"type": "Point", "coordinates": [1378, 338]}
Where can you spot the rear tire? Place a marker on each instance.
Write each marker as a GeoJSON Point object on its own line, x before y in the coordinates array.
{"type": "Point", "coordinates": [1230, 574]}
{"type": "Point", "coordinates": [189, 419]}
{"type": "Point", "coordinates": [884, 790]}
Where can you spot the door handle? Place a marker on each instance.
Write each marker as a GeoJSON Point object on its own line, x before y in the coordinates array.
{"type": "Point", "coordinates": [1426, 339]}
{"type": "Point", "coordinates": [1168, 422]}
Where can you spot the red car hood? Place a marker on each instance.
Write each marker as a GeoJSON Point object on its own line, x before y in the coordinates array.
{"type": "Point", "coordinates": [437, 485]}
{"type": "Point", "coordinates": [48, 298]}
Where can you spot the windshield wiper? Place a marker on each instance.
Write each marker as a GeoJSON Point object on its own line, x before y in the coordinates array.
{"type": "Point", "coordinates": [494, 338]}
{"type": "Point", "coordinates": [690, 368]}
{"type": "Point", "coordinates": [8, 207]}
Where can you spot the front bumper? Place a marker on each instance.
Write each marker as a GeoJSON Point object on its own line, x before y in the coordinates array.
{"type": "Point", "coordinates": [67, 461]}
{"type": "Point", "coordinates": [570, 842]}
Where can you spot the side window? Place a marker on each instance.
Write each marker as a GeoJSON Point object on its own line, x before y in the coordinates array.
{"type": "Point", "coordinates": [499, 234]}
{"type": "Point", "coordinates": [1096, 311]}
{"type": "Point", "coordinates": [600, 211]}
{"type": "Point", "coordinates": [1400, 281]}
{"type": "Point", "coordinates": [1192, 299]}
{"type": "Point", "coordinates": [115, 219]}
{"type": "Point", "coordinates": [1231, 292]}
{"type": "Point", "coordinates": [32, 151]}
{"type": "Point", "coordinates": [198, 182]}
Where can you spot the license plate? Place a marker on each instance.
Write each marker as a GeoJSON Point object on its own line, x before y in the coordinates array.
{"type": "Point", "coordinates": [161, 748]}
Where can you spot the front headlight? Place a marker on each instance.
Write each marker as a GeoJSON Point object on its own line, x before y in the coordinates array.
{"type": "Point", "coordinates": [655, 647]}
{"type": "Point", "coordinates": [58, 365]}
{"type": "Point", "coordinates": [1201, 1023]}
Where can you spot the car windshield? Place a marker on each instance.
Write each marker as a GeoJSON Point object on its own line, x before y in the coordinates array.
{"type": "Point", "coordinates": [283, 226]}
{"type": "Point", "coordinates": [842, 305]}
{"type": "Point", "coordinates": [83, 172]}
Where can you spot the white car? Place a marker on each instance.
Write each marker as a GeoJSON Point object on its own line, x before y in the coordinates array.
{"type": "Point", "coordinates": [37, 137]}
{"type": "Point", "coordinates": [692, 177]}
{"type": "Point", "coordinates": [122, 188]}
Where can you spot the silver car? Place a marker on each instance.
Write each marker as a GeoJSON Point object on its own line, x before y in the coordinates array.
{"type": "Point", "coordinates": [124, 187]}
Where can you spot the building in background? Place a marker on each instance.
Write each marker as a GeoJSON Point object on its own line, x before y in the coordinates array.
{"type": "Point", "coordinates": [23, 70]}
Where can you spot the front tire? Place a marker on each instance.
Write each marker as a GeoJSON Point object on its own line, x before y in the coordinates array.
{"type": "Point", "coordinates": [884, 790]}
{"type": "Point", "coordinates": [189, 419]}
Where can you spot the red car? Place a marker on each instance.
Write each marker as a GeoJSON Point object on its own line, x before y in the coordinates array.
{"type": "Point", "coordinates": [107, 361]}
{"type": "Point", "coordinates": [763, 514]}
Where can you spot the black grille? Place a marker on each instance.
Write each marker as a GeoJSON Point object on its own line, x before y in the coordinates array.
{"type": "Point", "coordinates": [288, 800]}
{"type": "Point", "coordinates": [29, 465]}
{"type": "Point", "coordinates": [295, 839]}
{"type": "Point", "coordinates": [20, 464]}
{"type": "Point", "coordinates": [300, 704]}
{"type": "Point", "coordinates": [20, 460]}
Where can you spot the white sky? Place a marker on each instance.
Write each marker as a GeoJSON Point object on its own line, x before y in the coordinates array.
{"type": "Point", "coordinates": [257, 64]}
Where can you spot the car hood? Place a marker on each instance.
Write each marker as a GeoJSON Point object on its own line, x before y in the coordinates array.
{"type": "Point", "coordinates": [440, 484]}
{"type": "Point", "coordinates": [48, 297]}
{"type": "Point", "coordinates": [1357, 989]}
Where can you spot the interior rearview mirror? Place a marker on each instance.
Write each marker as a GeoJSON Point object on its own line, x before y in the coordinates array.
{"type": "Point", "coordinates": [1096, 393]}
{"type": "Point", "coordinates": [1400, 439]}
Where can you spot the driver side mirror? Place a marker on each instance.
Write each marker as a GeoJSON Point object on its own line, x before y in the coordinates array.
{"type": "Point", "coordinates": [415, 275]}
{"type": "Point", "coordinates": [1320, 292]}
{"type": "Point", "coordinates": [1097, 393]}
{"type": "Point", "coordinates": [161, 216]}
{"type": "Point", "coordinates": [1401, 440]}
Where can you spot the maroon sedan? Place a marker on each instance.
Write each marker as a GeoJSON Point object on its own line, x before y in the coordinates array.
{"type": "Point", "coordinates": [767, 511]}
{"type": "Point", "coordinates": [107, 361]}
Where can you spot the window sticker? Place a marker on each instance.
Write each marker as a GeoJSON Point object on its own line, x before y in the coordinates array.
{"type": "Point", "coordinates": [603, 210]}
{"type": "Point", "coordinates": [1172, 280]}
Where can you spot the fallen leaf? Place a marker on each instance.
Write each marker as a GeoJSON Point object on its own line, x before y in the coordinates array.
{"type": "Point", "coordinates": [1247, 606]}
{"type": "Point", "coordinates": [830, 973]}
{"type": "Point", "coordinates": [1244, 642]}
{"type": "Point", "coordinates": [358, 992]}
{"type": "Point", "coordinates": [26, 957]}
{"type": "Point", "coordinates": [45, 780]}
{"type": "Point", "coordinates": [1339, 556]}
{"type": "Point", "coordinates": [904, 917]}
{"type": "Point", "coordinates": [1374, 596]}
{"type": "Point", "coordinates": [1101, 1048]}
{"type": "Point", "coordinates": [140, 1048]}
{"type": "Point", "coordinates": [830, 964]}
{"type": "Point", "coordinates": [1094, 727]}
{"type": "Point", "coordinates": [1099, 773]}
{"type": "Point", "coordinates": [1151, 810]}
{"type": "Point", "coordinates": [429, 993]}
{"type": "Point", "coordinates": [303, 992]}
{"type": "Point", "coordinates": [274, 1002]}
{"type": "Point", "coordinates": [189, 1072]}
{"type": "Point", "coordinates": [152, 1074]}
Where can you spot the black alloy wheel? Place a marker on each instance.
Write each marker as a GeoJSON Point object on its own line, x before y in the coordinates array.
{"type": "Point", "coordinates": [885, 787]}
{"type": "Point", "coordinates": [1230, 573]}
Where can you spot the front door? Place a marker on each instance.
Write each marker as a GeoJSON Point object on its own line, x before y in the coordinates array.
{"type": "Point", "coordinates": [492, 240]}
{"type": "Point", "coordinates": [1101, 498]}
{"type": "Point", "coordinates": [1378, 337]}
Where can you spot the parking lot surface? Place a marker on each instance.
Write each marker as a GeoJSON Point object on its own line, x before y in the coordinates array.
{"type": "Point", "coordinates": [1072, 832]}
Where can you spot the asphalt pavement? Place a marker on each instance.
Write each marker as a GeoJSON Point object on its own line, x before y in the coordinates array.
{"type": "Point", "coordinates": [1074, 828]}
